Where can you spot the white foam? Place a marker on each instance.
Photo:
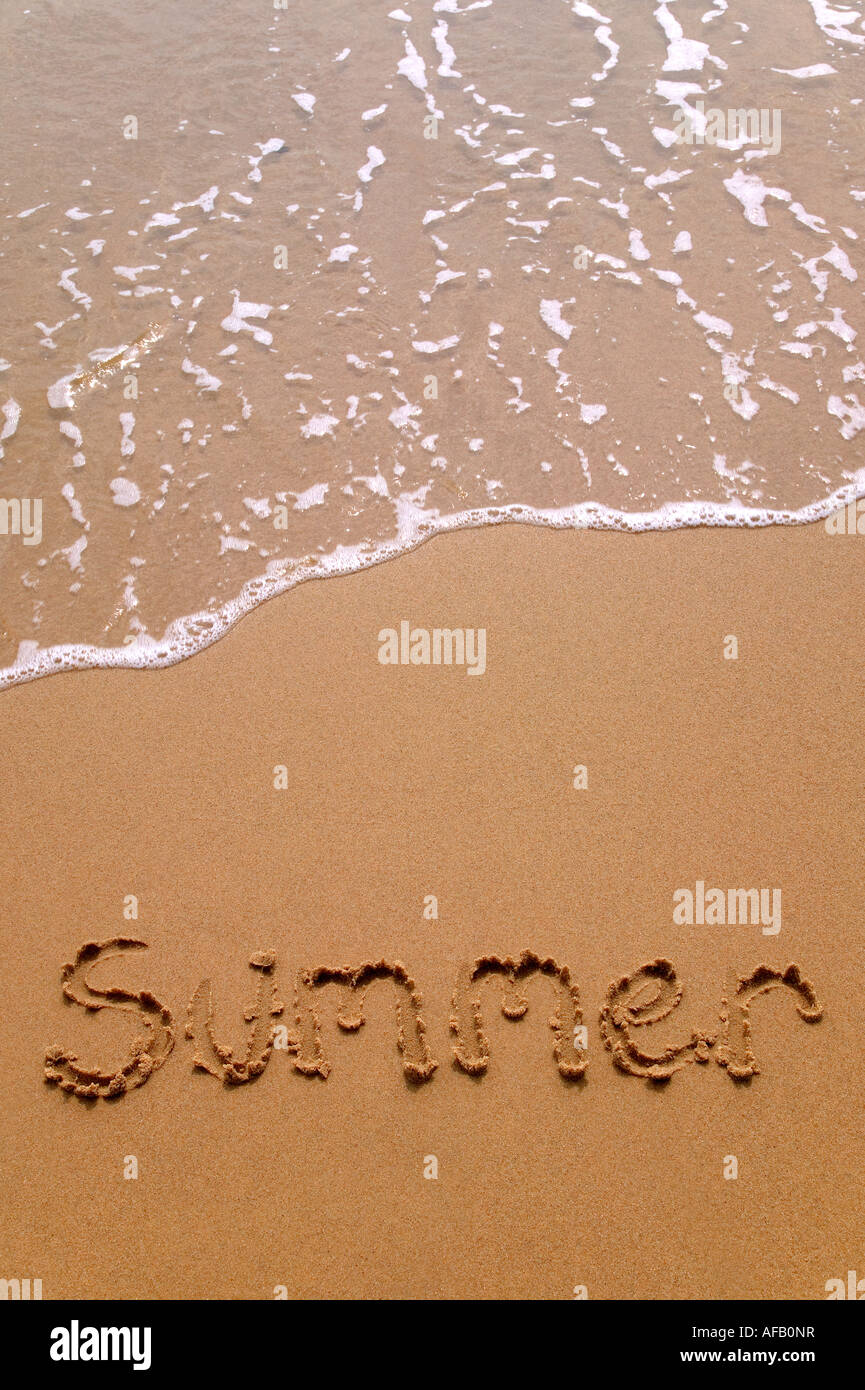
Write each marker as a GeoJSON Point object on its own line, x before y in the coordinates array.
{"type": "Point", "coordinates": [376, 484]}
{"type": "Point", "coordinates": [254, 176]}
{"type": "Point", "coordinates": [207, 200]}
{"type": "Point", "coordinates": [429, 347]}
{"type": "Point", "coordinates": [235, 322]}
{"type": "Point", "coordinates": [850, 412]}
{"type": "Point", "coordinates": [815, 70]}
{"type": "Point", "coordinates": [127, 425]}
{"type": "Point", "coordinates": [125, 492]}
{"type": "Point", "coordinates": [313, 497]}
{"type": "Point", "coordinates": [413, 67]}
{"type": "Point", "coordinates": [841, 261]}
{"type": "Point", "coordinates": [637, 248]}
{"type": "Point", "coordinates": [835, 23]}
{"type": "Point", "coordinates": [227, 543]}
{"type": "Point", "coordinates": [585, 11]}
{"type": "Point", "coordinates": [73, 555]}
{"type": "Point", "coordinates": [713, 324]}
{"type": "Point", "coordinates": [11, 412]}
{"type": "Point", "coordinates": [551, 313]}
{"type": "Point", "coordinates": [751, 192]}
{"type": "Point", "coordinates": [318, 425]}
{"type": "Point", "coordinates": [767, 384]}
{"type": "Point", "coordinates": [402, 416]}
{"type": "Point", "coordinates": [68, 492]}
{"type": "Point", "coordinates": [204, 380]}
{"type": "Point", "coordinates": [445, 276]}
{"type": "Point", "coordinates": [307, 427]}
{"type": "Point", "coordinates": [374, 160]}
{"type": "Point", "coordinates": [603, 36]}
{"type": "Point", "coordinates": [517, 156]}
{"type": "Point", "coordinates": [60, 395]}
{"type": "Point", "coordinates": [191, 634]}
{"type": "Point", "coordinates": [67, 283]}
{"type": "Point", "coordinates": [448, 56]}
{"type": "Point", "coordinates": [71, 431]}
{"type": "Point", "coordinates": [162, 219]}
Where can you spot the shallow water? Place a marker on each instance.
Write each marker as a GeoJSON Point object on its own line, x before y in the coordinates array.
{"type": "Point", "coordinates": [287, 290]}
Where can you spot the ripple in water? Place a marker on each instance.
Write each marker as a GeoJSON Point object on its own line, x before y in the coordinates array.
{"type": "Point", "coordinates": [288, 295]}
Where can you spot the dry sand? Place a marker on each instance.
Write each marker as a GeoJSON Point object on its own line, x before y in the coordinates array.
{"type": "Point", "coordinates": [602, 650]}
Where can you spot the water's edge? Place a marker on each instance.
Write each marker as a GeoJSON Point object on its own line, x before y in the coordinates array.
{"type": "Point", "coordinates": [187, 636]}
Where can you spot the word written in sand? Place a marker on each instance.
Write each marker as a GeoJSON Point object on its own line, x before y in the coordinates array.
{"type": "Point", "coordinates": [632, 1005]}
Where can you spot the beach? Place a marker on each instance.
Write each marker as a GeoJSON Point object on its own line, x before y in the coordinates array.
{"type": "Point", "coordinates": [404, 784]}
{"type": "Point", "coordinates": [290, 290]}
{"type": "Point", "coordinates": [432, 501]}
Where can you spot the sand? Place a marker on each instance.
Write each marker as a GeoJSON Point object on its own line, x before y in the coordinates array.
{"type": "Point", "coordinates": [603, 651]}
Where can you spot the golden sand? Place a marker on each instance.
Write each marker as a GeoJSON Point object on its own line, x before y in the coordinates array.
{"type": "Point", "coordinates": [445, 1141]}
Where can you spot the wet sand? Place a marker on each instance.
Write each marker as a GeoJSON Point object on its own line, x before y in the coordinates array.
{"type": "Point", "coordinates": [305, 286]}
{"type": "Point", "coordinates": [603, 650]}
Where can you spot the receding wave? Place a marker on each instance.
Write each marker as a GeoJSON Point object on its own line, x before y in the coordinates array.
{"type": "Point", "coordinates": [340, 278]}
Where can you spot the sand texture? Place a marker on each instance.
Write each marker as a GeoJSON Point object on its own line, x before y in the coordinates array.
{"type": "Point", "coordinates": [331, 1091]}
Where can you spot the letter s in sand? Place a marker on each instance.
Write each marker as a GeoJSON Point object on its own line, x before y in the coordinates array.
{"type": "Point", "coordinates": [149, 1049]}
